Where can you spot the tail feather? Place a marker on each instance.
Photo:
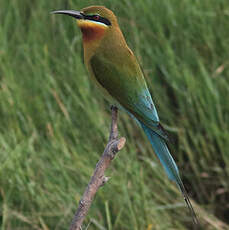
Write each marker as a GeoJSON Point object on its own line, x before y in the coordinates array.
{"type": "Point", "coordinates": [169, 165]}
{"type": "Point", "coordinates": [187, 201]}
{"type": "Point", "coordinates": [162, 153]}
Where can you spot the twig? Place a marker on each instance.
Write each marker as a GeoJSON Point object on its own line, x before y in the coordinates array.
{"type": "Point", "coordinates": [98, 178]}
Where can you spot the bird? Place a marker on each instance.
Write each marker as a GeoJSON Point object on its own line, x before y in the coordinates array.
{"type": "Point", "coordinates": [113, 67]}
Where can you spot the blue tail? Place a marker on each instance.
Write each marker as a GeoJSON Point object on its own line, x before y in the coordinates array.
{"type": "Point", "coordinates": [162, 152]}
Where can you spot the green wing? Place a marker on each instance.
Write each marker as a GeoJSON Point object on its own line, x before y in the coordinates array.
{"type": "Point", "coordinates": [127, 85]}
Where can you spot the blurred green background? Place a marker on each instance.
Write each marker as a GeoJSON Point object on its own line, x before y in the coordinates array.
{"type": "Point", "coordinates": [54, 124]}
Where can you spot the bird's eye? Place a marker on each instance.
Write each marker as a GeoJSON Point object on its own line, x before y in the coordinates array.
{"type": "Point", "coordinates": [96, 17]}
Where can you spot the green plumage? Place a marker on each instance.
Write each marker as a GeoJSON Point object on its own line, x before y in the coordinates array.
{"type": "Point", "coordinates": [124, 81]}
{"type": "Point", "coordinates": [115, 69]}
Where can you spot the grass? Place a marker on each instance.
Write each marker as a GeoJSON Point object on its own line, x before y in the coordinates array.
{"type": "Point", "coordinates": [54, 124]}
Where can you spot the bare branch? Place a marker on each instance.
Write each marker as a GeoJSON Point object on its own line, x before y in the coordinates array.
{"type": "Point", "coordinates": [98, 178]}
{"type": "Point", "coordinates": [114, 123]}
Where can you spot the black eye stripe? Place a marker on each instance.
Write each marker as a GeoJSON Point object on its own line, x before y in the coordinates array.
{"type": "Point", "coordinates": [97, 18]}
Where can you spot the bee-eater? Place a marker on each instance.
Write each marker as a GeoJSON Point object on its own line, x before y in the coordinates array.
{"type": "Point", "coordinates": [114, 68]}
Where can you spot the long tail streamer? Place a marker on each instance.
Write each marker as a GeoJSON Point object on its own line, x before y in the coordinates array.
{"type": "Point", "coordinates": [162, 152]}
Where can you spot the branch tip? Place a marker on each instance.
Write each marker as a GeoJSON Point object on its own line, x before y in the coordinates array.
{"type": "Point", "coordinates": [105, 179]}
{"type": "Point", "coordinates": [121, 143]}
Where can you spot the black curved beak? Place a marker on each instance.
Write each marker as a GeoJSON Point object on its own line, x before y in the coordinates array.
{"type": "Point", "coordinates": [72, 13]}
